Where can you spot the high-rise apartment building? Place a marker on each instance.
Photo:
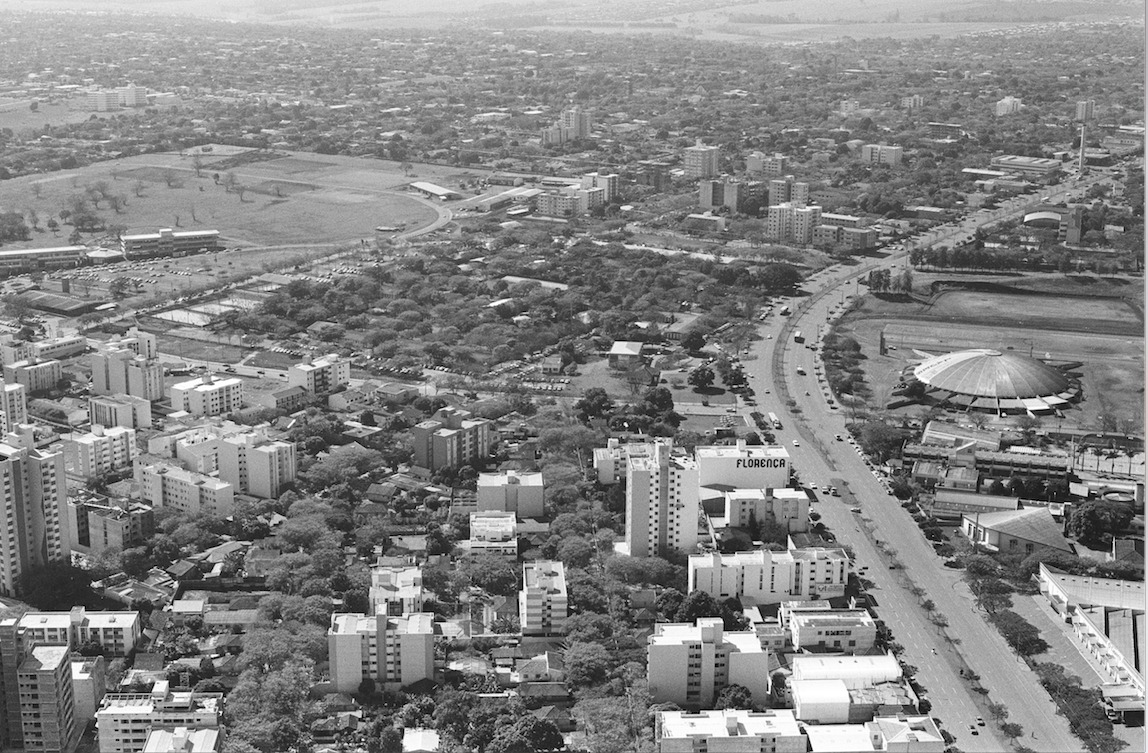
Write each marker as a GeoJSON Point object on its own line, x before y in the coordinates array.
{"type": "Point", "coordinates": [102, 100]}
{"type": "Point", "coordinates": [662, 505]}
{"type": "Point", "coordinates": [164, 485]}
{"type": "Point", "coordinates": [690, 664]}
{"type": "Point", "coordinates": [125, 719]}
{"type": "Point", "coordinates": [1085, 109]}
{"type": "Point", "coordinates": [100, 451]}
{"type": "Point", "coordinates": [450, 437]}
{"type": "Point", "coordinates": [721, 192]}
{"type": "Point", "coordinates": [35, 375]}
{"type": "Point", "coordinates": [573, 124]}
{"type": "Point", "coordinates": [542, 608]}
{"type": "Point", "coordinates": [395, 652]}
{"type": "Point", "coordinates": [759, 164]}
{"type": "Point", "coordinates": [791, 223]}
{"type": "Point", "coordinates": [912, 102]}
{"type": "Point", "coordinates": [396, 590]}
{"type": "Point", "coordinates": [1009, 105]}
{"type": "Point", "coordinates": [701, 161]}
{"type": "Point", "coordinates": [13, 406]}
{"type": "Point", "coordinates": [606, 181]}
{"type": "Point", "coordinates": [119, 371]}
{"type": "Point", "coordinates": [48, 701]}
{"type": "Point", "coordinates": [256, 465]}
{"type": "Point", "coordinates": [120, 410]}
{"type": "Point", "coordinates": [207, 396]}
{"type": "Point", "coordinates": [321, 375]}
{"type": "Point", "coordinates": [99, 523]}
{"type": "Point", "coordinates": [132, 96]}
{"type": "Point", "coordinates": [788, 190]}
{"type": "Point", "coordinates": [882, 154]}
{"type": "Point", "coordinates": [35, 497]}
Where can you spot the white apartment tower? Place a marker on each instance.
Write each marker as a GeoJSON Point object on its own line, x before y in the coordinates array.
{"type": "Point", "coordinates": [34, 374]}
{"type": "Point", "coordinates": [255, 465]}
{"type": "Point", "coordinates": [701, 161]}
{"type": "Point", "coordinates": [120, 369]}
{"type": "Point", "coordinates": [690, 664]}
{"type": "Point", "coordinates": [100, 451]}
{"type": "Point", "coordinates": [763, 577]}
{"type": "Point", "coordinates": [882, 154]}
{"type": "Point", "coordinates": [321, 375]}
{"type": "Point", "coordinates": [13, 406]}
{"type": "Point", "coordinates": [48, 701]}
{"type": "Point", "coordinates": [165, 485]}
{"type": "Point", "coordinates": [662, 505]}
{"type": "Point", "coordinates": [35, 497]}
{"type": "Point", "coordinates": [395, 652]}
{"type": "Point", "coordinates": [542, 605]}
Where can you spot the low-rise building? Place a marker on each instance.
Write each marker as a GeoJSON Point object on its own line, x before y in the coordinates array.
{"type": "Point", "coordinates": [100, 451]}
{"type": "Point", "coordinates": [165, 485]}
{"type": "Point", "coordinates": [120, 410]}
{"type": "Point", "coordinates": [183, 740]}
{"type": "Point", "coordinates": [1017, 531]}
{"type": "Point", "coordinates": [207, 396]}
{"type": "Point", "coordinates": [494, 533]}
{"type": "Point", "coordinates": [848, 630]}
{"type": "Point", "coordinates": [728, 731]}
{"type": "Point", "coordinates": [765, 577]}
{"type": "Point", "coordinates": [168, 242]}
{"type": "Point", "coordinates": [396, 590]}
{"type": "Point", "coordinates": [35, 375]}
{"type": "Point", "coordinates": [100, 523]}
{"type": "Point", "coordinates": [125, 719]}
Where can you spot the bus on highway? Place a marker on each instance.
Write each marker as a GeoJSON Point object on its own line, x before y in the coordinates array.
{"type": "Point", "coordinates": [773, 419]}
{"type": "Point", "coordinates": [798, 337]}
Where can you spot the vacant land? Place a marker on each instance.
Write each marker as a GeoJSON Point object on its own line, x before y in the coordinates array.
{"type": "Point", "coordinates": [261, 203]}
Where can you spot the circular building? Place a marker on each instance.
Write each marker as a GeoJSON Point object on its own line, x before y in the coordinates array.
{"type": "Point", "coordinates": [991, 380]}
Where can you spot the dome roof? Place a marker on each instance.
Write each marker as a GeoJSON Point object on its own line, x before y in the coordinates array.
{"type": "Point", "coordinates": [991, 373]}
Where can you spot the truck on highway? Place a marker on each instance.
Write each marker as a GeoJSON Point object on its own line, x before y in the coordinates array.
{"type": "Point", "coordinates": [773, 420]}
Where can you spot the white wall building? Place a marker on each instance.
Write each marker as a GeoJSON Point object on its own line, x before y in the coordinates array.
{"type": "Point", "coordinates": [542, 608]}
{"type": "Point", "coordinates": [35, 375]}
{"type": "Point", "coordinates": [764, 577]}
{"type": "Point", "coordinates": [689, 664]}
{"type": "Point", "coordinates": [728, 731]}
{"type": "Point", "coordinates": [396, 590]}
{"type": "Point", "coordinates": [164, 485]}
{"type": "Point", "coordinates": [395, 652]}
{"type": "Point", "coordinates": [207, 396]}
{"type": "Point", "coordinates": [882, 154]}
{"type": "Point", "coordinates": [321, 375]}
{"type": "Point", "coordinates": [13, 405]}
{"type": "Point", "coordinates": [511, 491]}
{"type": "Point", "coordinates": [35, 500]}
{"type": "Point", "coordinates": [494, 533]}
{"type": "Point", "coordinates": [125, 719]}
{"type": "Point", "coordinates": [100, 451]}
{"type": "Point", "coordinates": [701, 161]}
{"type": "Point", "coordinates": [120, 410]}
{"type": "Point", "coordinates": [855, 671]}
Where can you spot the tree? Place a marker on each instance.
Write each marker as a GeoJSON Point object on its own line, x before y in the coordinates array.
{"type": "Point", "coordinates": [586, 664]}
{"type": "Point", "coordinates": [734, 697]}
{"type": "Point", "coordinates": [1096, 520]}
{"type": "Point", "coordinates": [595, 403]}
{"type": "Point", "coordinates": [1012, 730]}
{"type": "Point", "coordinates": [388, 739]}
{"type": "Point", "coordinates": [702, 377]}
{"type": "Point", "coordinates": [998, 711]}
{"type": "Point", "coordinates": [1019, 633]}
{"type": "Point", "coordinates": [694, 341]}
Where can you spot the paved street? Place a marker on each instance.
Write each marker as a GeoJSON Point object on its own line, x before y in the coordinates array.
{"type": "Point", "coordinates": [819, 457]}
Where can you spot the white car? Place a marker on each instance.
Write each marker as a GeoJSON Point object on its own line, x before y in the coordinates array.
{"type": "Point", "coordinates": [796, 443]}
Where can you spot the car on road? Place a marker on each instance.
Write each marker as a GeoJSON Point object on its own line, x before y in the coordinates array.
{"type": "Point", "coordinates": [796, 443]}
{"type": "Point", "coordinates": [838, 437]}
{"type": "Point", "coordinates": [855, 510]}
{"type": "Point", "coordinates": [980, 721]}
{"type": "Point", "coordinates": [973, 729]}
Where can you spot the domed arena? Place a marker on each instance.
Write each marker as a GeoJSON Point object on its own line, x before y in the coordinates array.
{"type": "Point", "coordinates": [995, 381]}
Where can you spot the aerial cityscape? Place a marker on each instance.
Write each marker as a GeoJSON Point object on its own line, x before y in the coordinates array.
{"type": "Point", "coordinates": [668, 376]}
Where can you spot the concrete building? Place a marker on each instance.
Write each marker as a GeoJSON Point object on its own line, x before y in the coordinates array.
{"type": "Point", "coordinates": [100, 451]}
{"type": "Point", "coordinates": [912, 102]}
{"type": "Point", "coordinates": [21, 260]}
{"type": "Point", "coordinates": [494, 533]}
{"type": "Point", "coordinates": [609, 182]}
{"type": "Point", "coordinates": [48, 701]}
{"type": "Point", "coordinates": [36, 376]}
{"type": "Point", "coordinates": [792, 223]}
{"type": "Point", "coordinates": [13, 406]}
{"type": "Point", "coordinates": [35, 498]}
{"type": "Point", "coordinates": [256, 465]}
{"type": "Point", "coordinates": [101, 100]}
{"type": "Point", "coordinates": [511, 491]}
{"type": "Point", "coordinates": [120, 370]}
{"type": "Point", "coordinates": [721, 192]}
{"type": "Point", "coordinates": [1022, 531]}
{"type": "Point", "coordinates": [854, 671]}
{"type": "Point", "coordinates": [98, 524]}
{"type": "Point", "coordinates": [1107, 618]}
{"type": "Point", "coordinates": [450, 437]}
{"type": "Point", "coordinates": [765, 166]}
{"type": "Point", "coordinates": [207, 396]}
{"type": "Point", "coordinates": [165, 485]}
{"type": "Point", "coordinates": [1032, 167]}
{"type": "Point", "coordinates": [746, 507]}
{"type": "Point", "coordinates": [120, 410]}
{"type": "Point", "coordinates": [690, 664]}
{"type": "Point", "coordinates": [131, 96]}
{"type": "Point", "coordinates": [848, 630]}
{"type": "Point", "coordinates": [728, 731]}
{"type": "Point", "coordinates": [396, 590]}
{"type": "Point", "coordinates": [573, 124]}
{"type": "Point", "coordinates": [701, 161]}
{"type": "Point", "coordinates": [117, 633]}
{"type": "Point", "coordinates": [1086, 109]}
{"type": "Point", "coordinates": [88, 678]}
{"type": "Point", "coordinates": [542, 608]}
{"type": "Point", "coordinates": [321, 375]}
{"type": "Point", "coordinates": [882, 154]}
{"type": "Point", "coordinates": [125, 720]}
{"type": "Point", "coordinates": [662, 507]}
{"type": "Point", "coordinates": [168, 242]}
{"type": "Point", "coordinates": [183, 740]}
{"type": "Point", "coordinates": [1008, 106]}
{"type": "Point", "coordinates": [395, 652]}
{"type": "Point", "coordinates": [764, 577]}
{"type": "Point", "coordinates": [53, 347]}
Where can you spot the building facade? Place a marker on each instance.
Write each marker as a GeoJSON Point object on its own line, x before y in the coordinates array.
{"type": "Point", "coordinates": [207, 396]}
{"type": "Point", "coordinates": [542, 607]}
{"type": "Point", "coordinates": [100, 451]}
{"type": "Point", "coordinates": [321, 375]}
{"type": "Point", "coordinates": [690, 664]}
{"type": "Point", "coordinates": [450, 437]}
{"type": "Point", "coordinates": [120, 410]}
{"type": "Point", "coordinates": [35, 375]}
{"type": "Point", "coordinates": [395, 652]}
{"type": "Point", "coordinates": [164, 485]}
{"type": "Point", "coordinates": [765, 577]}
{"type": "Point", "coordinates": [35, 499]}
{"type": "Point", "coordinates": [511, 491]}
{"type": "Point", "coordinates": [125, 719]}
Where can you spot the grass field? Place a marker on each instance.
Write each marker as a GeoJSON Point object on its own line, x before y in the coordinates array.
{"type": "Point", "coordinates": [303, 200]}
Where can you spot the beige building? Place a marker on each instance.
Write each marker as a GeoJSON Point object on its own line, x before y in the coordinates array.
{"type": "Point", "coordinates": [882, 154]}
{"type": "Point", "coordinates": [542, 608]}
{"type": "Point", "coordinates": [690, 664]}
{"type": "Point", "coordinates": [168, 242]}
{"type": "Point", "coordinates": [163, 485]}
{"type": "Point", "coordinates": [321, 375]}
{"type": "Point", "coordinates": [395, 652]}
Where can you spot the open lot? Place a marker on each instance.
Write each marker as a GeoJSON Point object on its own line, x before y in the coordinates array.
{"type": "Point", "coordinates": [302, 200]}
